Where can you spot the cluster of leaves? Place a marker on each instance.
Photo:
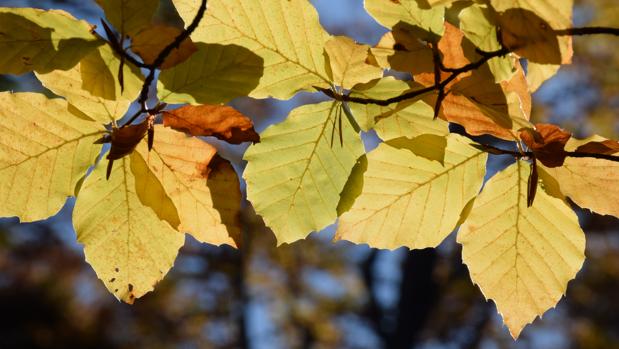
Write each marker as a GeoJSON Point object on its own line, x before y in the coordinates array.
{"type": "Point", "coordinates": [521, 244]}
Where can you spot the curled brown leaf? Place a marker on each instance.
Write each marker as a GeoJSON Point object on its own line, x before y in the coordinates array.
{"type": "Point", "coordinates": [547, 142]}
{"type": "Point", "coordinates": [223, 122]}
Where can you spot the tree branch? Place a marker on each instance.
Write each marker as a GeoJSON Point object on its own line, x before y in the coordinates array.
{"type": "Point", "coordinates": [152, 68]}
{"type": "Point", "coordinates": [588, 31]}
{"type": "Point", "coordinates": [455, 72]}
{"type": "Point", "coordinates": [529, 154]}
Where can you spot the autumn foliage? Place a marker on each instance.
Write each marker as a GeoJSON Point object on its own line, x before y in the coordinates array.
{"type": "Point", "coordinates": [144, 175]}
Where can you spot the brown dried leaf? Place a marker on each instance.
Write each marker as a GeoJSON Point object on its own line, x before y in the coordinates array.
{"type": "Point", "coordinates": [149, 42]}
{"type": "Point", "coordinates": [474, 100]}
{"type": "Point", "coordinates": [125, 139]}
{"type": "Point", "coordinates": [482, 106]}
{"type": "Point", "coordinates": [547, 142]}
{"type": "Point", "coordinates": [223, 122]}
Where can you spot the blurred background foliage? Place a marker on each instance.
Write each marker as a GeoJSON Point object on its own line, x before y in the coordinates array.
{"type": "Point", "coordinates": [313, 293]}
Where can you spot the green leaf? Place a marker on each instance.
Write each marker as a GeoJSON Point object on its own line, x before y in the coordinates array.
{"type": "Point", "coordinates": [521, 257]}
{"type": "Point", "coordinates": [296, 173]}
{"type": "Point", "coordinates": [44, 151]}
{"type": "Point", "coordinates": [92, 86]}
{"type": "Point", "coordinates": [409, 200]}
{"type": "Point", "coordinates": [214, 74]}
{"type": "Point", "coordinates": [129, 16]}
{"type": "Point", "coordinates": [286, 34]}
{"type": "Point", "coordinates": [33, 39]}
{"type": "Point", "coordinates": [118, 221]}
{"type": "Point", "coordinates": [427, 22]}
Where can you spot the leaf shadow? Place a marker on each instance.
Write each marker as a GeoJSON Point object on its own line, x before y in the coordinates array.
{"type": "Point", "coordinates": [23, 48]}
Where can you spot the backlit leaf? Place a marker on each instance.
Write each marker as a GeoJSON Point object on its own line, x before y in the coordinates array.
{"type": "Point", "coordinates": [214, 74]}
{"type": "Point", "coordinates": [129, 16]}
{"type": "Point", "coordinates": [348, 62]}
{"type": "Point", "coordinates": [590, 183]}
{"type": "Point", "coordinates": [44, 151]}
{"type": "Point", "coordinates": [149, 42]}
{"type": "Point", "coordinates": [206, 193]}
{"type": "Point", "coordinates": [477, 24]}
{"type": "Point", "coordinates": [296, 173]}
{"type": "Point", "coordinates": [409, 200]}
{"type": "Point", "coordinates": [285, 34]}
{"type": "Point", "coordinates": [547, 143]}
{"type": "Point", "coordinates": [400, 50]}
{"type": "Point", "coordinates": [91, 85]}
{"type": "Point", "coordinates": [42, 41]}
{"type": "Point", "coordinates": [521, 257]}
{"type": "Point", "coordinates": [427, 22]}
{"type": "Point", "coordinates": [223, 122]}
{"type": "Point", "coordinates": [528, 27]}
{"type": "Point", "coordinates": [118, 221]}
{"type": "Point", "coordinates": [409, 118]}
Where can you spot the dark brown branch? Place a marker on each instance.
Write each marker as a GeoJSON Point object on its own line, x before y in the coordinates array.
{"type": "Point", "coordinates": [588, 31]}
{"type": "Point", "coordinates": [152, 68]}
{"type": "Point", "coordinates": [529, 154]}
{"type": "Point", "coordinates": [455, 72]}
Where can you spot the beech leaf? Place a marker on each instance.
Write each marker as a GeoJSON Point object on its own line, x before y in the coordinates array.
{"type": "Point", "coordinates": [149, 42]}
{"type": "Point", "coordinates": [222, 122]}
{"type": "Point", "coordinates": [518, 259]}
{"type": "Point", "coordinates": [547, 143]}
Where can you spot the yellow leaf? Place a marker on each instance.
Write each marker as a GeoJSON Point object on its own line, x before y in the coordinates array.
{"type": "Point", "coordinates": [207, 196]}
{"type": "Point", "coordinates": [214, 74]}
{"type": "Point", "coordinates": [92, 86]}
{"type": "Point", "coordinates": [528, 27]}
{"type": "Point", "coordinates": [409, 200]}
{"type": "Point", "coordinates": [347, 61]}
{"type": "Point", "coordinates": [537, 74]}
{"type": "Point", "coordinates": [409, 118]}
{"type": "Point", "coordinates": [44, 151]}
{"type": "Point", "coordinates": [427, 22]}
{"type": "Point", "coordinates": [129, 16]}
{"type": "Point", "coordinates": [590, 183]}
{"type": "Point", "coordinates": [149, 42]}
{"type": "Point", "coordinates": [286, 34]}
{"type": "Point", "coordinates": [400, 50]}
{"type": "Point", "coordinates": [118, 222]}
{"type": "Point", "coordinates": [296, 173]}
{"type": "Point", "coordinates": [33, 39]}
{"type": "Point", "coordinates": [477, 23]}
{"type": "Point", "coordinates": [521, 257]}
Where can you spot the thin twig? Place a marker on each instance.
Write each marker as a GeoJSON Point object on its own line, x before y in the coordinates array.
{"type": "Point", "coordinates": [588, 31]}
{"type": "Point", "coordinates": [529, 154]}
{"type": "Point", "coordinates": [455, 72]}
{"type": "Point", "coordinates": [152, 68]}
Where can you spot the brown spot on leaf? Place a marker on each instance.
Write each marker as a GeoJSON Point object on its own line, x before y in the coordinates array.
{"type": "Point", "coordinates": [130, 287]}
{"type": "Point", "coordinates": [112, 279]}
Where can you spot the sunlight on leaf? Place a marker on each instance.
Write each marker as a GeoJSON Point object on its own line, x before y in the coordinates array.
{"type": "Point", "coordinates": [517, 257]}
{"type": "Point", "coordinates": [44, 151]}
{"type": "Point", "coordinates": [286, 34]}
{"type": "Point", "coordinates": [295, 174]}
{"type": "Point", "coordinates": [409, 200]}
{"type": "Point", "coordinates": [125, 241]}
{"type": "Point", "coordinates": [33, 39]}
